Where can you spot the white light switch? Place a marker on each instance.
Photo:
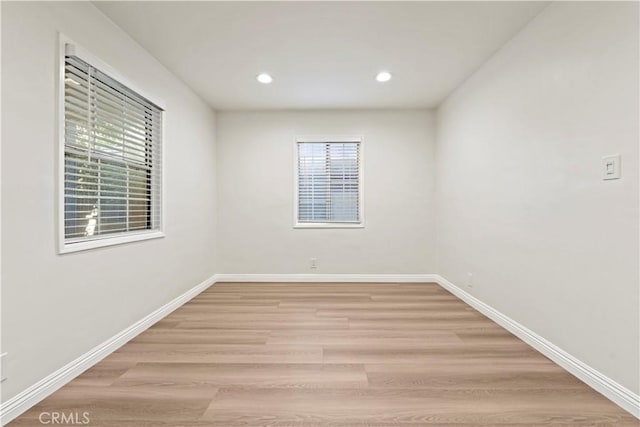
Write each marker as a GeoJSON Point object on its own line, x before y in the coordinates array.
{"type": "Point", "coordinates": [3, 367]}
{"type": "Point", "coordinates": [611, 167]}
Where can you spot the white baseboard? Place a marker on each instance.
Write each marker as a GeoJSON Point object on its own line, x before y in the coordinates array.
{"type": "Point", "coordinates": [615, 392]}
{"type": "Point", "coordinates": [339, 278]}
{"type": "Point", "coordinates": [20, 403]}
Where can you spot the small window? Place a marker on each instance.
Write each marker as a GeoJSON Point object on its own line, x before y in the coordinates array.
{"type": "Point", "coordinates": [328, 186]}
{"type": "Point", "coordinates": [112, 159]}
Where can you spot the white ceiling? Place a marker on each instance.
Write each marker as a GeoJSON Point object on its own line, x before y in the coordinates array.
{"type": "Point", "coordinates": [321, 54]}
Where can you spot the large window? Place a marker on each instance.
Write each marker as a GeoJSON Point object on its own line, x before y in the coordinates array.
{"type": "Point", "coordinates": [328, 186]}
{"type": "Point", "coordinates": [112, 159]}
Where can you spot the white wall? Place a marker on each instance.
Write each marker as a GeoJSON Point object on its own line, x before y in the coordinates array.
{"type": "Point", "coordinates": [57, 307]}
{"type": "Point", "coordinates": [255, 165]}
{"type": "Point", "coordinates": [521, 203]}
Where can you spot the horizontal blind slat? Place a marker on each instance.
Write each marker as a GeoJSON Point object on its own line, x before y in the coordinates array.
{"type": "Point", "coordinates": [112, 156]}
{"type": "Point", "coordinates": [328, 182]}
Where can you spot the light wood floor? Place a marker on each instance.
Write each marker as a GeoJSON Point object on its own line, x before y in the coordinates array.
{"type": "Point", "coordinates": [328, 354]}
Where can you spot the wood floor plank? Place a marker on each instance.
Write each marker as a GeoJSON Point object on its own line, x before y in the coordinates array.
{"type": "Point", "coordinates": [417, 304]}
{"type": "Point", "coordinates": [218, 353]}
{"type": "Point", "coordinates": [414, 314]}
{"type": "Point", "coordinates": [421, 352]}
{"type": "Point", "coordinates": [517, 375]}
{"type": "Point", "coordinates": [328, 354]}
{"type": "Point", "coordinates": [421, 407]}
{"type": "Point", "coordinates": [164, 324]}
{"type": "Point", "coordinates": [216, 318]}
{"type": "Point", "coordinates": [380, 338]}
{"type": "Point", "coordinates": [493, 336]}
{"type": "Point", "coordinates": [103, 374]}
{"type": "Point", "coordinates": [301, 325]}
{"type": "Point", "coordinates": [239, 308]}
{"type": "Point", "coordinates": [296, 375]}
{"type": "Point", "coordinates": [417, 298]}
{"type": "Point", "coordinates": [421, 324]}
{"type": "Point", "coordinates": [241, 301]}
{"type": "Point", "coordinates": [202, 336]}
{"type": "Point", "coordinates": [168, 389]}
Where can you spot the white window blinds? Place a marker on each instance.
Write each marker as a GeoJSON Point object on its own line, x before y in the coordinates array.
{"type": "Point", "coordinates": [112, 156]}
{"type": "Point", "coordinates": [328, 182]}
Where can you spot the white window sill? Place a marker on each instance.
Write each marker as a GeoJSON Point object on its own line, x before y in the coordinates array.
{"type": "Point", "coordinates": [329, 225]}
{"type": "Point", "coordinates": [103, 241]}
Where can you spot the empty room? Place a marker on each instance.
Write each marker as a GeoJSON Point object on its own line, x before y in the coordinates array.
{"type": "Point", "coordinates": [320, 213]}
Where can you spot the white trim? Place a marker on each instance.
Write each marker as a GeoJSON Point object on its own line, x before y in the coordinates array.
{"type": "Point", "coordinates": [339, 278]}
{"type": "Point", "coordinates": [106, 240]}
{"type": "Point", "coordinates": [102, 241]}
{"type": "Point", "coordinates": [86, 55]}
{"type": "Point", "coordinates": [329, 138]}
{"type": "Point", "coordinates": [59, 187]}
{"type": "Point", "coordinates": [618, 394]}
{"type": "Point", "coordinates": [328, 224]}
{"type": "Point", "coordinates": [20, 403]}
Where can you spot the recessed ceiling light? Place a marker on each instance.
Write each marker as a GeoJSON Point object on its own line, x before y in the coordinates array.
{"type": "Point", "coordinates": [383, 76]}
{"type": "Point", "coordinates": [264, 78]}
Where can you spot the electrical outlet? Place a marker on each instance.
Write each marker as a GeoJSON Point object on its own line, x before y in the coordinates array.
{"type": "Point", "coordinates": [3, 367]}
{"type": "Point", "coordinates": [469, 280]}
{"type": "Point", "coordinates": [313, 263]}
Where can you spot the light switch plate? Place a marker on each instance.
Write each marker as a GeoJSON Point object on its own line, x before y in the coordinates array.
{"type": "Point", "coordinates": [3, 367]}
{"type": "Point", "coordinates": [611, 167]}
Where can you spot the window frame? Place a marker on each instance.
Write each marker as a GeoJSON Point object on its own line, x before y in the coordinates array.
{"type": "Point", "coordinates": [324, 139]}
{"type": "Point", "coordinates": [98, 241]}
